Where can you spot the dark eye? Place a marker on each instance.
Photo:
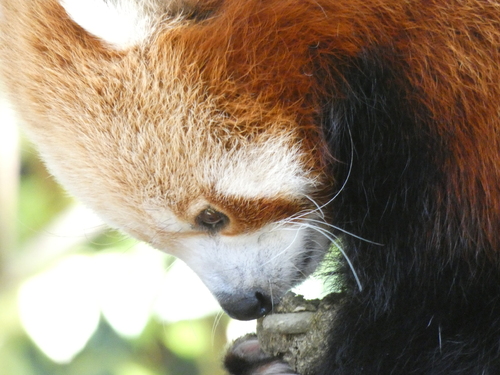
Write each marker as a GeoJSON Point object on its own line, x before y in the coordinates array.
{"type": "Point", "coordinates": [212, 220]}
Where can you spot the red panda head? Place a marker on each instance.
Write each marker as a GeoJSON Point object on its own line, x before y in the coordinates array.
{"type": "Point", "coordinates": [183, 126]}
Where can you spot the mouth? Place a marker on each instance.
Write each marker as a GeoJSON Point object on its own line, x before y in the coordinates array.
{"type": "Point", "coordinates": [256, 303]}
{"type": "Point", "coordinates": [249, 274]}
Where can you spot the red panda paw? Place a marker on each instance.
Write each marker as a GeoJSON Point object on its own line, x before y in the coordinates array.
{"type": "Point", "coordinates": [245, 357]}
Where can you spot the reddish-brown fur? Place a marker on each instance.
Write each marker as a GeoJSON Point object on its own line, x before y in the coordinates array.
{"type": "Point", "coordinates": [302, 74]}
{"type": "Point", "coordinates": [258, 75]}
{"type": "Point", "coordinates": [60, 56]}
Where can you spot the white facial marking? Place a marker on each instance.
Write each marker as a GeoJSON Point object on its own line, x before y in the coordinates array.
{"type": "Point", "coordinates": [165, 219]}
{"type": "Point", "coordinates": [261, 171]}
{"type": "Point", "coordinates": [121, 23]}
{"type": "Point", "coordinates": [271, 260]}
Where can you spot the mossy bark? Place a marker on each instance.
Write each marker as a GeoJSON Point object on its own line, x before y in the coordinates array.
{"type": "Point", "coordinates": [297, 330]}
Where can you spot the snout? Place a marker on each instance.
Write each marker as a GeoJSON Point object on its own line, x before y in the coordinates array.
{"type": "Point", "coordinates": [251, 305]}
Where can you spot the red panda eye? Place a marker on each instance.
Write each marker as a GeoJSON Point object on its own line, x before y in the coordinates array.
{"type": "Point", "coordinates": [212, 220]}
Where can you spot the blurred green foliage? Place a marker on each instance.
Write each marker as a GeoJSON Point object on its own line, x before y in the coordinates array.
{"type": "Point", "coordinates": [40, 197]}
{"type": "Point", "coordinates": [177, 348]}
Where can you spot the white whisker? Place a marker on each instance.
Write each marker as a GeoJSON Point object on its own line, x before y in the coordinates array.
{"type": "Point", "coordinates": [346, 232]}
{"type": "Point", "coordinates": [329, 235]}
{"type": "Point", "coordinates": [318, 207]}
{"type": "Point", "coordinates": [350, 168]}
{"type": "Point", "coordinates": [284, 250]}
{"type": "Point", "coordinates": [440, 339]}
{"type": "Point", "coordinates": [217, 320]}
{"type": "Point", "coordinates": [344, 184]}
{"type": "Point", "coordinates": [271, 293]}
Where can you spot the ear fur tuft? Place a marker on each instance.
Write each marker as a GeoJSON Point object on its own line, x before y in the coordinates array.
{"type": "Point", "coordinates": [126, 23]}
{"type": "Point", "coordinates": [119, 23]}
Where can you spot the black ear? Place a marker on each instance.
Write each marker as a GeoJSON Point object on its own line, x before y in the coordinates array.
{"type": "Point", "coordinates": [197, 10]}
{"type": "Point", "coordinates": [126, 23]}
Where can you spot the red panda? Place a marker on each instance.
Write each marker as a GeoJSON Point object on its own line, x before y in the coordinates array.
{"type": "Point", "coordinates": [244, 137]}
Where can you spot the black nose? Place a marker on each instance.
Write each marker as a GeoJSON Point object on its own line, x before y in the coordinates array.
{"type": "Point", "coordinates": [247, 307]}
